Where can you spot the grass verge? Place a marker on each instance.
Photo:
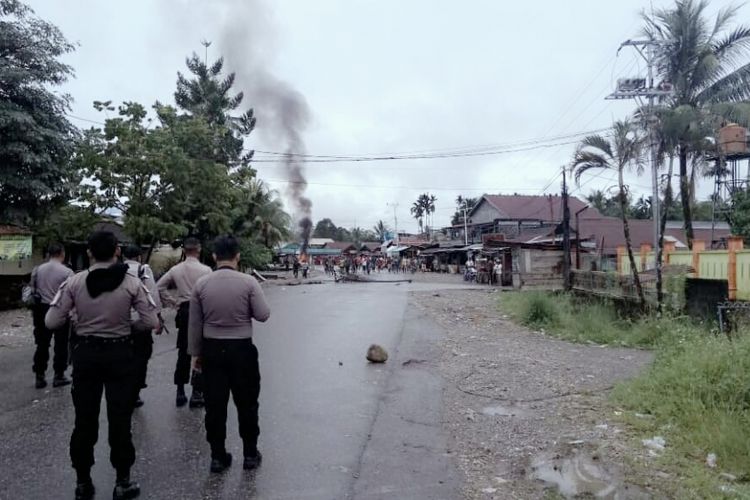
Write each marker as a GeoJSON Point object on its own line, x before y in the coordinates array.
{"type": "Point", "coordinates": [594, 321]}
{"type": "Point", "coordinates": [696, 394]}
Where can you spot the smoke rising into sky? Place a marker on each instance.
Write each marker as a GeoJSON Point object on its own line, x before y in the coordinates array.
{"type": "Point", "coordinates": [247, 43]}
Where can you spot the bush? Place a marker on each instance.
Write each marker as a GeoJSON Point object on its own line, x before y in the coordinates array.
{"type": "Point", "coordinates": [540, 310]}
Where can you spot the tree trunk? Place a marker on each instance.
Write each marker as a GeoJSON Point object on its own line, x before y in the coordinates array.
{"type": "Point", "coordinates": [628, 244]}
{"type": "Point", "coordinates": [662, 227]}
{"type": "Point", "coordinates": [685, 195]}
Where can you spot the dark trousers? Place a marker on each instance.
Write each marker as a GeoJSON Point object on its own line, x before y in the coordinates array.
{"type": "Point", "coordinates": [143, 345]}
{"type": "Point", "coordinates": [231, 366]}
{"type": "Point", "coordinates": [109, 367]}
{"type": "Point", "coordinates": [43, 338]}
{"type": "Point", "coordinates": [182, 370]}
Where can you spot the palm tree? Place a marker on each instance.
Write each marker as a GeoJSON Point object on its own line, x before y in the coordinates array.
{"type": "Point", "coordinates": [707, 65]}
{"type": "Point", "coordinates": [381, 230]}
{"type": "Point", "coordinates": [624, 150]}
{"type": "Point", "coordinates": [430, 208]}
{"type": "Point", "coordinates": [417, 210]}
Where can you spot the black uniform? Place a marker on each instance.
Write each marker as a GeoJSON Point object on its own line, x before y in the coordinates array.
{"type": "Point", "coordinates": [222, 308]}
{"type": "Point", "coordinates": [104, 360]}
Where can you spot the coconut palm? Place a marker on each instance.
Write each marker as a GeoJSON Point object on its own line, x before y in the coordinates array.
{"type": "Point", "coordinates": [381, 230]}
{"type": "Point", "coordinates": [707, 65]}
{"type": "Point", "coordinates": [621, 152]}
{"type": "Point", "coordinates": [417, 211]}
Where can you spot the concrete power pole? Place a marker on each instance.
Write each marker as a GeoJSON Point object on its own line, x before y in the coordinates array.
{"type": "Point", "coordinates": [638, 89]}
{"type": "Point", "coordinates": [566, 234]}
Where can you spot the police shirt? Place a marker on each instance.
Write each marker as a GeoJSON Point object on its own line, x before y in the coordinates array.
{"type": "Point", "coordinates": [102, 297]}
{"type": "Point", "coordinates": [223, 306]}
{"type": "Point", "coordinates": [182, 278]}
{"type": "Point", "coordinates": [46, 279]}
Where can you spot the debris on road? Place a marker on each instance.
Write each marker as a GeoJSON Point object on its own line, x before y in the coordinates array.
{"type": "Point", "coordinates": [376, 354]}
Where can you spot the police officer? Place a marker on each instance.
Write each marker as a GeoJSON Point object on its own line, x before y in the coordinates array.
{"type": "Point", "coordinates": [103, 359]}
{"type": "Point", "coordinates": [182, 278]}
{"type": "Point", "coordinates": [222, 308]}
{"type": "Point", "coordinates": [142, 338]}
{"type": "Point", "coordinates": [45, 281]}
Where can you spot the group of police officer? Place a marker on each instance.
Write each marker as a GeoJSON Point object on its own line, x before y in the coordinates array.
{"type": "Point", "coordinates": [111, 310]}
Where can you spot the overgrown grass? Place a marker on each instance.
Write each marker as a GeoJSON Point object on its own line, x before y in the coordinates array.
{"type": "Point", "coordinates": [593, 321]}
{"type": "Point", "coordinates": [696, 393]}
{"type": "Point", "coordinates": [698, 396]}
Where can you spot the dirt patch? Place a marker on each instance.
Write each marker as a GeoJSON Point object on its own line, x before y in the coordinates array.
{"type": "Point", "coordinates": [16, 328]}
{"type": "Point", "coordinates": [519, 404]}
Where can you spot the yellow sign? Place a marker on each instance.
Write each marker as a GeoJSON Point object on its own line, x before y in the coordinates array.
{"type": "Point", "coordinates": [15, 247]}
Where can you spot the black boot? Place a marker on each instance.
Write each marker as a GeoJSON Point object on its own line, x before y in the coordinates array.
{"type": "Point", "coordinates": [196, 399]}
{"type": "Point", "coordinates": [60, 380]}
{"type": "Point", "coordinates": [181, 399]}
{"type": "Point", "coordinates": [253, 460]}
{"type": "Point", "coordinates": [220, 463]}
{"type": "Point", "coordinates": [125, 488]}
{"type": "Point", "coordinates": [85, 490]}
{"type": "Point", "coordinates": [41, 382]}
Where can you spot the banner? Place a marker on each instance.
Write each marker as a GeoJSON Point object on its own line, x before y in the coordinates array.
{"type": "Point", "coordinates": [15, 247]}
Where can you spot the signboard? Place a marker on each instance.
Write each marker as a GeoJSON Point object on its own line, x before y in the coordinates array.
{"type": "Point", "coordinates": [15, 247]}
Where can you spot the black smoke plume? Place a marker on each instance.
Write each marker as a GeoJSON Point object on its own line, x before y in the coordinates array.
{"type": "Point", "coordinates": [247, 42]}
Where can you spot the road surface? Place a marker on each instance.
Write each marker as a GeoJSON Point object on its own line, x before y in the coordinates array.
{"type": "Point", "coordinates": [332, 425]}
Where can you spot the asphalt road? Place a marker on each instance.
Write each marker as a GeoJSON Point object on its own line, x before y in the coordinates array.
{"type": "Point", "coordinates": [332, 425]}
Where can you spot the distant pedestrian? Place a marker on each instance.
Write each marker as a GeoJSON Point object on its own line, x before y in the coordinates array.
{"type": "Point", "coordinates": [182, 278]}
{"type": "Point", "coordinates": [143, 341]}
{"type": "Point", "coordinates": [45, 281]}
{"type": "Point", "coordinates": [222, 308]}
{"type": "Point", "coordinates": [104, 360]}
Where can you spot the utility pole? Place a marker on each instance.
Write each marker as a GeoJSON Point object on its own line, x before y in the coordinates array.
{"type": "Point", "coordinates": [566, 233]}
{"type": "Point", "coordinates": [639, 88]}
{"type": "Point", "coordinates": [395, 219]}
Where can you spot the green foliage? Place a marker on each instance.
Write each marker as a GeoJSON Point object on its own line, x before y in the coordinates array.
{"type": "Point", "coordinates": [740, 218]}
{"type": "Point", "coordinates": [461, 202]}
{"type": "Point", "coordinates": [698, 397]}
{"type": "Point", "coordinates": [37, 139]}
{"type": "Point", "coordinates": [423, 207]}
{"type": "Point", "coordinates": [380, 231]}
{"type": "Point", "coordinates": [209, 96]}
{"type": "Point", "coordinates": [592, 321]}
{"type": "Point", "coordinates": [68, 223]}
{"type": "Point", "coordinates": [706, 61]}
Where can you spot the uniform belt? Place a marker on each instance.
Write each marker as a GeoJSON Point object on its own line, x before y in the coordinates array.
{"type": "Point", "coordinates": [91, 339]}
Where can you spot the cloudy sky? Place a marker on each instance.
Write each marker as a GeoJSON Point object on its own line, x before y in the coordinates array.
{"type": "Point", "coordinates": [381, 77]}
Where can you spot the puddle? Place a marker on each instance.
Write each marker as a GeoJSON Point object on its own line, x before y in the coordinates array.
{"type": "Point", "coordinates": [581, 475]}
{"type": "Point", "coordinates": [503, 411]}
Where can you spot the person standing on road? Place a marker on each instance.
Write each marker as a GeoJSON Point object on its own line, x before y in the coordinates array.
{"type": "Point", "coordinates": [222, 308]}
{"type": "Point", "coordinates": [45, 281]}
{"type": "Point", "coordinates": [143, 341]}
{"type": "Point", "coordinates": [182, 278]}
{"type": "Point", "coordinates": [104, 359]}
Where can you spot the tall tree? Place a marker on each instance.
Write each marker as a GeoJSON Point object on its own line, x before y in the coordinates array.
{"type": "Point", "coordinates": [417, 211]}
{"type": "Point", "coordinates": [381, 230]}
{"type": "Point", "coordinates": [707, 65]}
{"type": "Point", "coordinates": [461, 203]}
{"type": "Point", "coordinates": [37, 139]}
{"type": "Point", "coordinates": [209, 94]}
{"type": "Point", "coordinates": [325, 228]}
{"type": "Point", "coordinates": [622, 152]}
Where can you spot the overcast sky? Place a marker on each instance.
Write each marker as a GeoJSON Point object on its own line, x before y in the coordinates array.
{"type": "Point", "coordinates": [382, 76]}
